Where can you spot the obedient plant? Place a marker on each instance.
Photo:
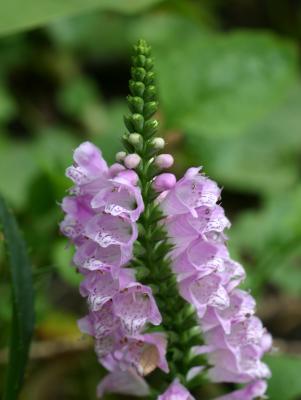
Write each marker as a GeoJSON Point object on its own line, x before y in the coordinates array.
{"type": "Point", "coordinates": [162, 290]}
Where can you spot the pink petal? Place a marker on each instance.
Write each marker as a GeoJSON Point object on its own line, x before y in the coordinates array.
{"type": "Point", "coordinates": [123, 382]}
{"type": "Point", "coordinates": [136, 306]}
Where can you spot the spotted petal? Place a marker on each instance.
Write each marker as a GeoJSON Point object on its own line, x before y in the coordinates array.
{"type": "Point", "coordinates": [136, 306]}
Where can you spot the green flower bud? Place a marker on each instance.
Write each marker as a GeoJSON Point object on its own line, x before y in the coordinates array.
{"type": "Point", "coordinates": [138, 73]}
{"type": "Point", "coordinates": [149, 78]}
{"type": "Point", "coordinates": [149, 63]}
{"type": "Point", "coordinates": [139, 60]}
{"type": "Point", "coordinates": [120, 156]}
{"type": "Point", "coordinates": [150, 93]}
{"type": "Point", "coordinates": [137, 122]}
{"type": "Point", "coordinates": [158, 143]}
{"type": "Point", "coordinates": [150, 108]}
{"type": "Point", "coordinates": [128, 122]}
{"type": "Point", "coordinates": [135, 104]}
{"type": "Point", "coordinates": [150, 127]}
{"type": "Point", "coordinates": [136, 140]}
{"type": "Point", "coordinates": [136, 88]}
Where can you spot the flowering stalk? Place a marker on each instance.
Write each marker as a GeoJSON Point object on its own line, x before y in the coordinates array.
{"type": "Point", "coordinates": [160, 283]}
{"type": "Point", "coordinates": [152, 261]}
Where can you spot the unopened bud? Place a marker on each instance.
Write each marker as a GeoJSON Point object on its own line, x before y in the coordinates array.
{"type": "Point", "coordinates": [138, 121]}
{"type": "Point", "coordinates": [132, 161]}
{"type": "Point", "coordinates": [158, 143]}
{"type": "Point", "coordinates": [164, 161]}
{"type": "Point", "coordinates": [164, 181]}
{"type": "Point", "coordinates": [120, 156]}
{"type": "Point", "coordinates": [150, 127]}
{"type": "Point", "coordinates": [135, 139]}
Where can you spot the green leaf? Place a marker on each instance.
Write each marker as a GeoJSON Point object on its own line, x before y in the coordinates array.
{"type": "Point", "coordinates": [108, 138]}
{"type": "Point", "coordinates": [264, 159]}
{"type": "Point", "coordinates": [23, 303]}
{"type": "Point", "coordinates": [269, 239]}
{"type": "Point", "coordinates": [40, 12]}
{"type": "Point", "coordinates": [14, 180]}
{"type": "Point", "coordinates": [285, 382]}
{"type": "Point", "coordinates": [61, 257]}
{"type": "Point", "coordinates": [78, 34]}
{"type": "Point", "coordinates": [227, 82]}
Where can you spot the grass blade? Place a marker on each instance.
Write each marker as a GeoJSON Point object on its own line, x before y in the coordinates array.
{"type": "Point", "coordinates": [22, 302]}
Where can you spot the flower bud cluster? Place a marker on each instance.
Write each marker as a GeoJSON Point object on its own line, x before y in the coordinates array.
{"type": "Point", "coordinates": [208, 278]}
{"type": "Point", "coordinates": [133, 160]}
{"type": "Point", "coordinates": [101, 220]}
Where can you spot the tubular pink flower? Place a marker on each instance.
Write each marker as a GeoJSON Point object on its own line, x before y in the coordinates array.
{"type": "Point", "coordinates": [235, 339]}
{"type": "Point", "coordinates": [194, 190]}
{"type": "Point", "coordinates": [101, 214]}
{"type": "Point", "coordinates": [135, 306]}
{"type": "Point", "coordinates": [88, 164]}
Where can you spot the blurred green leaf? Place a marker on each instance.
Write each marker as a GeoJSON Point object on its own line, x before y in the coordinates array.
{"type": "Point", "coordinates": [17, 169]}
{"type": "Point", "coordinates": [264, 159]}
{"type": "Point", "coordinates": [78, 34]}
{"type": "Point", "coordinates": [288, 276]}
{"type": "Point", "coordinates": [218, 85]}
{"type": "Point", "coordinates": [62, 256]}
{"type": "Point", "coordinates": [76, 95]}
{"type": "Point", "coordinates": [270, 240]}
{"type": "Point", "coordinates": [285, 382]}
{"type": "Point", "coordinates": [23, 303]}
{"type": "Point", "coordinates": [222, 84]}
{"type": "Point", "coordinates": [8, 106]}
{"type": "Point", "coordinates": [53, 149]}
{"type": "Point", "coordinates": [40, 12]}
{"type": "Point", "coordinates": [112, 129]}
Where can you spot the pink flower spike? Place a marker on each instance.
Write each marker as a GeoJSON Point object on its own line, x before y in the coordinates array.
{"type": "Point", "coordinates": [164, 181]}
{"type": "Point", "coordinates": [176, 391]}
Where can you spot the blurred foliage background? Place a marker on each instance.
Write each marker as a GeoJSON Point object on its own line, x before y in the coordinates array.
{"type": "Point", "coordinates": [230, 97]}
